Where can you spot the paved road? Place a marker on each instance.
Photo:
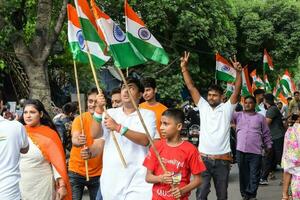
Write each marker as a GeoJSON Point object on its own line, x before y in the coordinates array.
{"type": "Point", "coordinates": [270, 192]}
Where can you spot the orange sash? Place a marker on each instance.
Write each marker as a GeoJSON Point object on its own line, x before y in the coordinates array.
{"type": "Point", "coordinates": [48, 141]}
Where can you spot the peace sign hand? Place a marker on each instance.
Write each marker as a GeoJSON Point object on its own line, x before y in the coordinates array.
{"type": "Point", "coordinates": [184, 61]}
{"type": "Point", "coordinates": [236, 65]}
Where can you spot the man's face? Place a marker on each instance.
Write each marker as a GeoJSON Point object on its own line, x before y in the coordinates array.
{"type": "Point", "coordinates": [259, 98]}
{"type": "Point", "coordinates": [249, 105]}
{"type": "Point", "coordinates": [214, 98]}
{"type": "Point", "coordinates": [91, 102]}
{"type": "Point", "coordinates": [279, 105]}
{"type": "Point", "coordinates": [149, 93]}
{"type": "Point", "coordinates": [296, 96]}
{"type": "Point", "coordinates": [134, 90]}
{"type": "Point", "coordinates": [116, 100]}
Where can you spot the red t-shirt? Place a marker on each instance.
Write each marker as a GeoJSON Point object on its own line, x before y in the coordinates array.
{"type": "Point", "coordinates": [182, 161]}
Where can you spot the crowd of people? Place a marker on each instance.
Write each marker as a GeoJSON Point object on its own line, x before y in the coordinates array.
{"type": "Point", "coordinates": [108, 152]}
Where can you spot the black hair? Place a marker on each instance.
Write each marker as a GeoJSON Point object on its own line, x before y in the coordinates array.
{"type": "Point", "coordinates": [115, 91]}
{"type": "Point", "coordinates": [296, 92]}
{"type": "Point", "coordinates": [289, 98]}
{"type": "Point", "coordinates": [1, 97]}
{"type": "Point", "coordinates": [149, 83]}
{"type": "Point", "coordinates": [216, 88]}
{"type": "Point", "coordinates": [176, 114]}
{"type": "Point", "coordinates": [45, 119]}
{"type": "Point", "coordinates": [269, 98]}
{"type": "Point", "coordinates": [70, 107]}
{"type": "Point", "coordinates": [279, 102]}
{"type": "Point", "coordinates": [92, 91]}
{"type": "Point", "coordinates": [251, 97]}
{"type": "Point", "coordinates": [135, 81]}
{"type": "Point", "coordinates": [258, 91]}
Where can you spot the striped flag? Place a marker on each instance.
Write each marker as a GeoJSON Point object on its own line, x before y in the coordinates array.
{"type": "Point", "coordinates": [268, 86]}
{"type": "Point", "coordinates": [246, 86]}
{"type": "Point", "coordinates": [142, 39]}
{"type": "Point", "coordinates": [117, 40]}
{"type": "Point", "coordinates": [287, 83]}
{"type": "Point", "coordinates": [257, 80]}
{"type": "Point", "coordinates": [224, 71]}
{"type": "Point", "coordinates": [277, 89]}
{"type": "Point", "coordinates": [267, 61]}
{"type": "Point", "coordinates": [89, 34]}
{"type": "Point", "coordinates": [229, 89]}
{"type": "Point", "coordinates": [77, 42]}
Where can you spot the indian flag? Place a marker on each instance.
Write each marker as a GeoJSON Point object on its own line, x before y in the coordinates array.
{"type": "Point", "coordinates": [287, 83]}
{"type": "Point", "coordinates": [267, 61]}
{"type": "Point", "coordinates": [224, 71]}
{"type": "Point", "coordinates": [268, 87]}
{"type": "Point", "coordinates": [246, 86]}
{"type": "Point", "coordinates": [118, 43]}
{"type": "Point", "coordinates": [229, 89]}
{"type": "Point", "coordinates": [257, 80]}
{"type": "Point", "coordinates": [142, 39]}
{"type": "Point", "coordinates": [277, 89]}
{"type": "Point", "coordinates": [89, 38]}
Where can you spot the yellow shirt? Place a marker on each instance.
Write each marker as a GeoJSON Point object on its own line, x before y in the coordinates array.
{"type": "Point", "coordinates": [158, 109]}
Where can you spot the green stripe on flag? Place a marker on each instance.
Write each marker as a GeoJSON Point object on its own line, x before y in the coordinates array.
{"type": "Point", "coordinates": [224, 77]}
{"type": "Point", "coordinates": [148, 50]}
{"type": "Point", "coordinates": [90, 33]}
{"type": "Point", "coordinates": [124, 56]}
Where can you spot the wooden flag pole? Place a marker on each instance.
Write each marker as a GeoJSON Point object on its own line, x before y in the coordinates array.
{"type": "Point", "coordinates": [144, 125]}
{"type": "Point", "coordinates": [100, 91]}
{"type": "Point", "coordinates": [81, 121]}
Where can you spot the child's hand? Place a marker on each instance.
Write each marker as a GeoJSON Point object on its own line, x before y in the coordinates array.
{"type": "Point", "coordinates": [176, 192]}
{"type": "Point", "coordinates": [166, 178]}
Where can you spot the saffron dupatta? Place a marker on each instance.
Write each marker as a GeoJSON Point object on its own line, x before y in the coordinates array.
{"type": "Point", "coordinates": [48, 141]}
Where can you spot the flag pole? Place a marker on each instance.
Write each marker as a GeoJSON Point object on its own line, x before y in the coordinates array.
{"type": "Point", "coordinates": [100, 91]}
{"type": "Point", "coordinates": [81, 121]}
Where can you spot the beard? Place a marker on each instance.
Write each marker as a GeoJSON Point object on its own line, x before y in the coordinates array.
{"type": "Point", "coordinates": [214, 103]}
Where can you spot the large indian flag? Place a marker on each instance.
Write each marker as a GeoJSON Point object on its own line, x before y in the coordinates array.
{"type": "Point", "coordinates": [124, 54]}
{"type": "Point", "coordinates": [246, 86]}
{"type": "Point", "coordinates": [139, 35]}
{"type": "Point", "coordinates": [90, 40]}
{"type": "Point", "coordinates": [287, 83]}
{"type": "Point", "coordinates": [224, 71]}
{"type": "Point", "coordinates": [267, 61]}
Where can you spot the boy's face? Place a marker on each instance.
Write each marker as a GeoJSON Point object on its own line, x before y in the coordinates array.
{"type": "Point", "coordinates": [169, 127]}
{"type": "Point", "coordinates": [149, 93]}
{"type": "Point", "coordinates": [134, 90]}
{"type": "Point", "coordinates": [91, 102]}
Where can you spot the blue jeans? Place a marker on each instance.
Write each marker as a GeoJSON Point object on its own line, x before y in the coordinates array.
{"type": "Point", "coordinates": [78, 183]}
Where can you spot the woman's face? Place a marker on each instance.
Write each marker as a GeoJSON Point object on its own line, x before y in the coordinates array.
{"type": "Point", "coordinates": [32, 116]}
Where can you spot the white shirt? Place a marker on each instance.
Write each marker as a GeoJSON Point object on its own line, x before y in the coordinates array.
{"type": "Point", "coordinates": [215, 127]}
{"type": "Point", "coordinates": [128, 183]}
{"type": "Point", "coordinates": [13, 138]}
{"type": "Point", "coordinates": [262, 109]}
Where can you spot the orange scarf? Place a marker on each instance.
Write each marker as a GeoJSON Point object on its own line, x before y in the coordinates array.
{"type": "Point", "coordinates": [48, 141]}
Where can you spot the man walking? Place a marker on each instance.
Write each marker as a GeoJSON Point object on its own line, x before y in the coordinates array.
{"type": "Point", "coordinates": [13, 141]}
{"type": "Point", "coordinates": [214, 137]}
{"type": "Point", "coordinates": [252, 134]}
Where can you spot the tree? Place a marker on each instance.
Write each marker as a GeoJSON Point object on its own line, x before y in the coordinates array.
{"type": "Point", "coordinates": [33, 27]}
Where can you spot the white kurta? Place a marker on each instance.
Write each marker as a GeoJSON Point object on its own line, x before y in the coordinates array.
{"type": "Point", "coordinates": [117, 182]}
{"type": "Point", "coordinates": [37, 175]}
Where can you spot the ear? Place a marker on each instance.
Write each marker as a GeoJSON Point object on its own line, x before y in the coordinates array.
{"type": "Point", "coordinates": [41, 114]}
{"type": "Point", "coordinates": [155, 90]}
{"type": "Point", "coordinates": [179, 126]}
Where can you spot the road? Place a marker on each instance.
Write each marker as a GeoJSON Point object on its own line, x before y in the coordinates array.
{"type": "Point", "coordinates": [270, 192]}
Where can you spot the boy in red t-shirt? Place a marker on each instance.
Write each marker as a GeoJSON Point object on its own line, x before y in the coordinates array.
{"type": "Point", "coordinates": [181, 159]}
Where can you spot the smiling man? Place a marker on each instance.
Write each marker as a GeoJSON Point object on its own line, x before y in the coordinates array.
{"type": "Point", "coordinates": [214, 136]}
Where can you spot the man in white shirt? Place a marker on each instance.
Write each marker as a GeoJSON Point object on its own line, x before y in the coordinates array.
{"type": "Point", "coordinates": [13, 141]}
{"type": "Point", "coordinates": [215, 118]}
{"type": "Point", "coordinates": [118, 182]}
